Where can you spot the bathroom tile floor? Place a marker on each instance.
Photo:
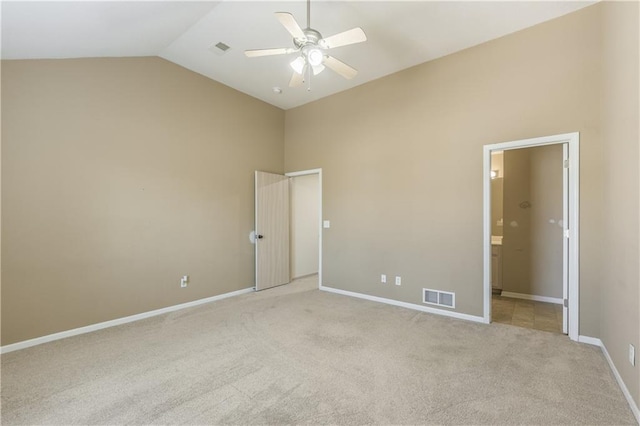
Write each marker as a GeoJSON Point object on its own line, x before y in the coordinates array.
{"type": "Point", "coordinates": [527, 313]}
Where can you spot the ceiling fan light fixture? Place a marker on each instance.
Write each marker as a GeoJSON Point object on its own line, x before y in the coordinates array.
{"type": "Point", "coordinates": [298, 64]}
{"type": "Point", "coordinates": [315, 57]}
{"type": "Point", "coordinates": [317, 69]}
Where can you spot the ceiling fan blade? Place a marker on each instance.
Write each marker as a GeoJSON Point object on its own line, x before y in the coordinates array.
{"type": "Point", "coordinates": [268, 52]}
{"type": "Point", "coordinates": [289, 22]}
{"type": "Point", "coordinates": [296, 79]}
{"type": "Point", "coordinates": [354, 35]}
{"type": "Point", "coordinates": [340, 67]}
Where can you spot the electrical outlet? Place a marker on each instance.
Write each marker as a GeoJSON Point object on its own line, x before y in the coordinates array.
{"type": "Point", "coordinates": [632, 355]}
{"type": "Point", "coordinates": [398, 280]}
{"type": "Point", "coordinates": [383, 278]}
{"type": "Point", "coordinates": [184, 281]}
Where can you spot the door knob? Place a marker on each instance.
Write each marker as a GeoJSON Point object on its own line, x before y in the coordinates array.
{"type": "Point", "coordinates": [260, 236]}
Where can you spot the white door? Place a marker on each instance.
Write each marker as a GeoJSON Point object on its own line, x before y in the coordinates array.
{"type": "Point", "coordinates": [272, 230]}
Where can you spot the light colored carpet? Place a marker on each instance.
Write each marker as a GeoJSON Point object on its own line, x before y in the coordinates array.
{"type": "Point", "coordinates": [294, 354]}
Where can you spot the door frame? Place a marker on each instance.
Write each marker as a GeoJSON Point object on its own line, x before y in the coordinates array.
{"type": "Point", "coordinates": [571, 192]}
{"type": "Point", "coordinates": [319, 173]}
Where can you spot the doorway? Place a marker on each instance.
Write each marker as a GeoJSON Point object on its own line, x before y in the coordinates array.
{"type": "Point", "coordinates": [304, 233]}
{"type": "Point", "coordinates": [526, 237]}
{"type": "Point", "coordinates": [520, 223]}
{"type": "Point", "coordinates": [288, 243]}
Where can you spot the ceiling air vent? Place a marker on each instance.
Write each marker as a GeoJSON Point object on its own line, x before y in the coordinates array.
{"type": "Point", "coordinates": [440, 298]}
{"type": "Point", "coordinates": [219, 48]}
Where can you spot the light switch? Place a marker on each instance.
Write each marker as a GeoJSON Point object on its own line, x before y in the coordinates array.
{"type": "Point", "coordinates": [326, 224]}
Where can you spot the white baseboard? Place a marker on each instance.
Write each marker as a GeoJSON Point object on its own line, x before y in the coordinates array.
{"type": "Point", "coordinates": [427, 309]}
{"type": "Point", "coordinates": [625, 391]}
{"type": "Point", "coordinates": [119, 321]}
{"type": "Point", "coordinates": [556, 300]}
{"type": "Point", "coordinates": [590, 340]}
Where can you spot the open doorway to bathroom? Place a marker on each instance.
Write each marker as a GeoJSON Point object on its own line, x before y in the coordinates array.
{"type": "Point", "coordinates": [527, 237]}
{"type": "Point", "coordinates": [531, 242]}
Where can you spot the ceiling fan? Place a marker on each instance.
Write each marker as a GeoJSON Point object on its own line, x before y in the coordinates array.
{"type": "Point", "coordinates": [312, 47]}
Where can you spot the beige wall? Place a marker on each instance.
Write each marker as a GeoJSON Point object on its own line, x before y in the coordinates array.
{"type": "Point", "coordinates": [402, 165]}
{"type": "Point", "coordinates": [118, 177]}
{"type": "Point", "coordinates": [532, 243]}
{"type": "Point", "coordinates": [121, 175]}
{"type": "Point", "coordinates": [305, 210]}
{"type": "Point", "coordinates": [620, 304]}
{"type": "Point", "coordinates": [402, 159]}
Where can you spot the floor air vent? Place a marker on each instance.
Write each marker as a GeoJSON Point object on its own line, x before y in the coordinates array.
{"type": "Point", "coordinates": [440, 298]}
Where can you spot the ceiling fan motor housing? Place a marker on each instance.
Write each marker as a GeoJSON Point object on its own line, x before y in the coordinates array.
{"type": "Point", "coordinates": [312, 37]}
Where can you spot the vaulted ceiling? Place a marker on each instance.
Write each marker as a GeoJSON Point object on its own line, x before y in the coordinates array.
{"type": "Point", "coordinates": [399, 35]}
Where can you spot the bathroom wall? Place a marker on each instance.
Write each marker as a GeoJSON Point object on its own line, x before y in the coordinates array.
{"type": "Point", "coordinates": [532, 242]}
{"type": "Point", "coordinates": [546, 220]}
{"type": "Point", "coordinates": [516, 258]}
{"type": "Point", "coordinates": [497, 191]}
{"type": "Point", "coordinates": [497, 165]}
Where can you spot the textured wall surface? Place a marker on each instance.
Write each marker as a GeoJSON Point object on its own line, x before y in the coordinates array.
{"type": "Point", "coordinates": [402, 159]}
{"type": "Point", "coordinates": [119, 176]}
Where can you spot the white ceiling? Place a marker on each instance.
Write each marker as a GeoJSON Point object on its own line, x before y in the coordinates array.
{"type": "Point", "coordinates": [400, 35]}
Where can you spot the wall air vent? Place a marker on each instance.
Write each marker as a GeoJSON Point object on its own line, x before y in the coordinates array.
{"type": "Point", "coordinates": [440, 298]}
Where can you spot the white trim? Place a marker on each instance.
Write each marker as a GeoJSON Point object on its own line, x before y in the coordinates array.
{"type": "Point", "coordinates": [304, 173]}
{"type": "Point", "coordinates": [415, 307]}
{"type": "Point", "coordinates": [486, 231]}
{"type": "Point", "coordinates": [320, 229]}
{"type": "Point", "coordinates": [565, 240]}
{"type": "Point", "coordinates": [623, 387]}
{"type": "Point", "coordinates": [625, 391]}
{"type": "Point", "coordinates": [255, 228]}
{"type": "Point", "coordinates": [573, 141]}
{"type": "Point", "coordinates": [590, 340]}
{"type": "Point", "coordinates": [119, 321]}
{"type": "Point", "coordinates": [574, 236]}
{"type": "Point", "coordinates": [556, 300]}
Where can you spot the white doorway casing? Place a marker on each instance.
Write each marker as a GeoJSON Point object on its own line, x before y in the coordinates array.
{"type": "Point", "coordinates": [570, 217]}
